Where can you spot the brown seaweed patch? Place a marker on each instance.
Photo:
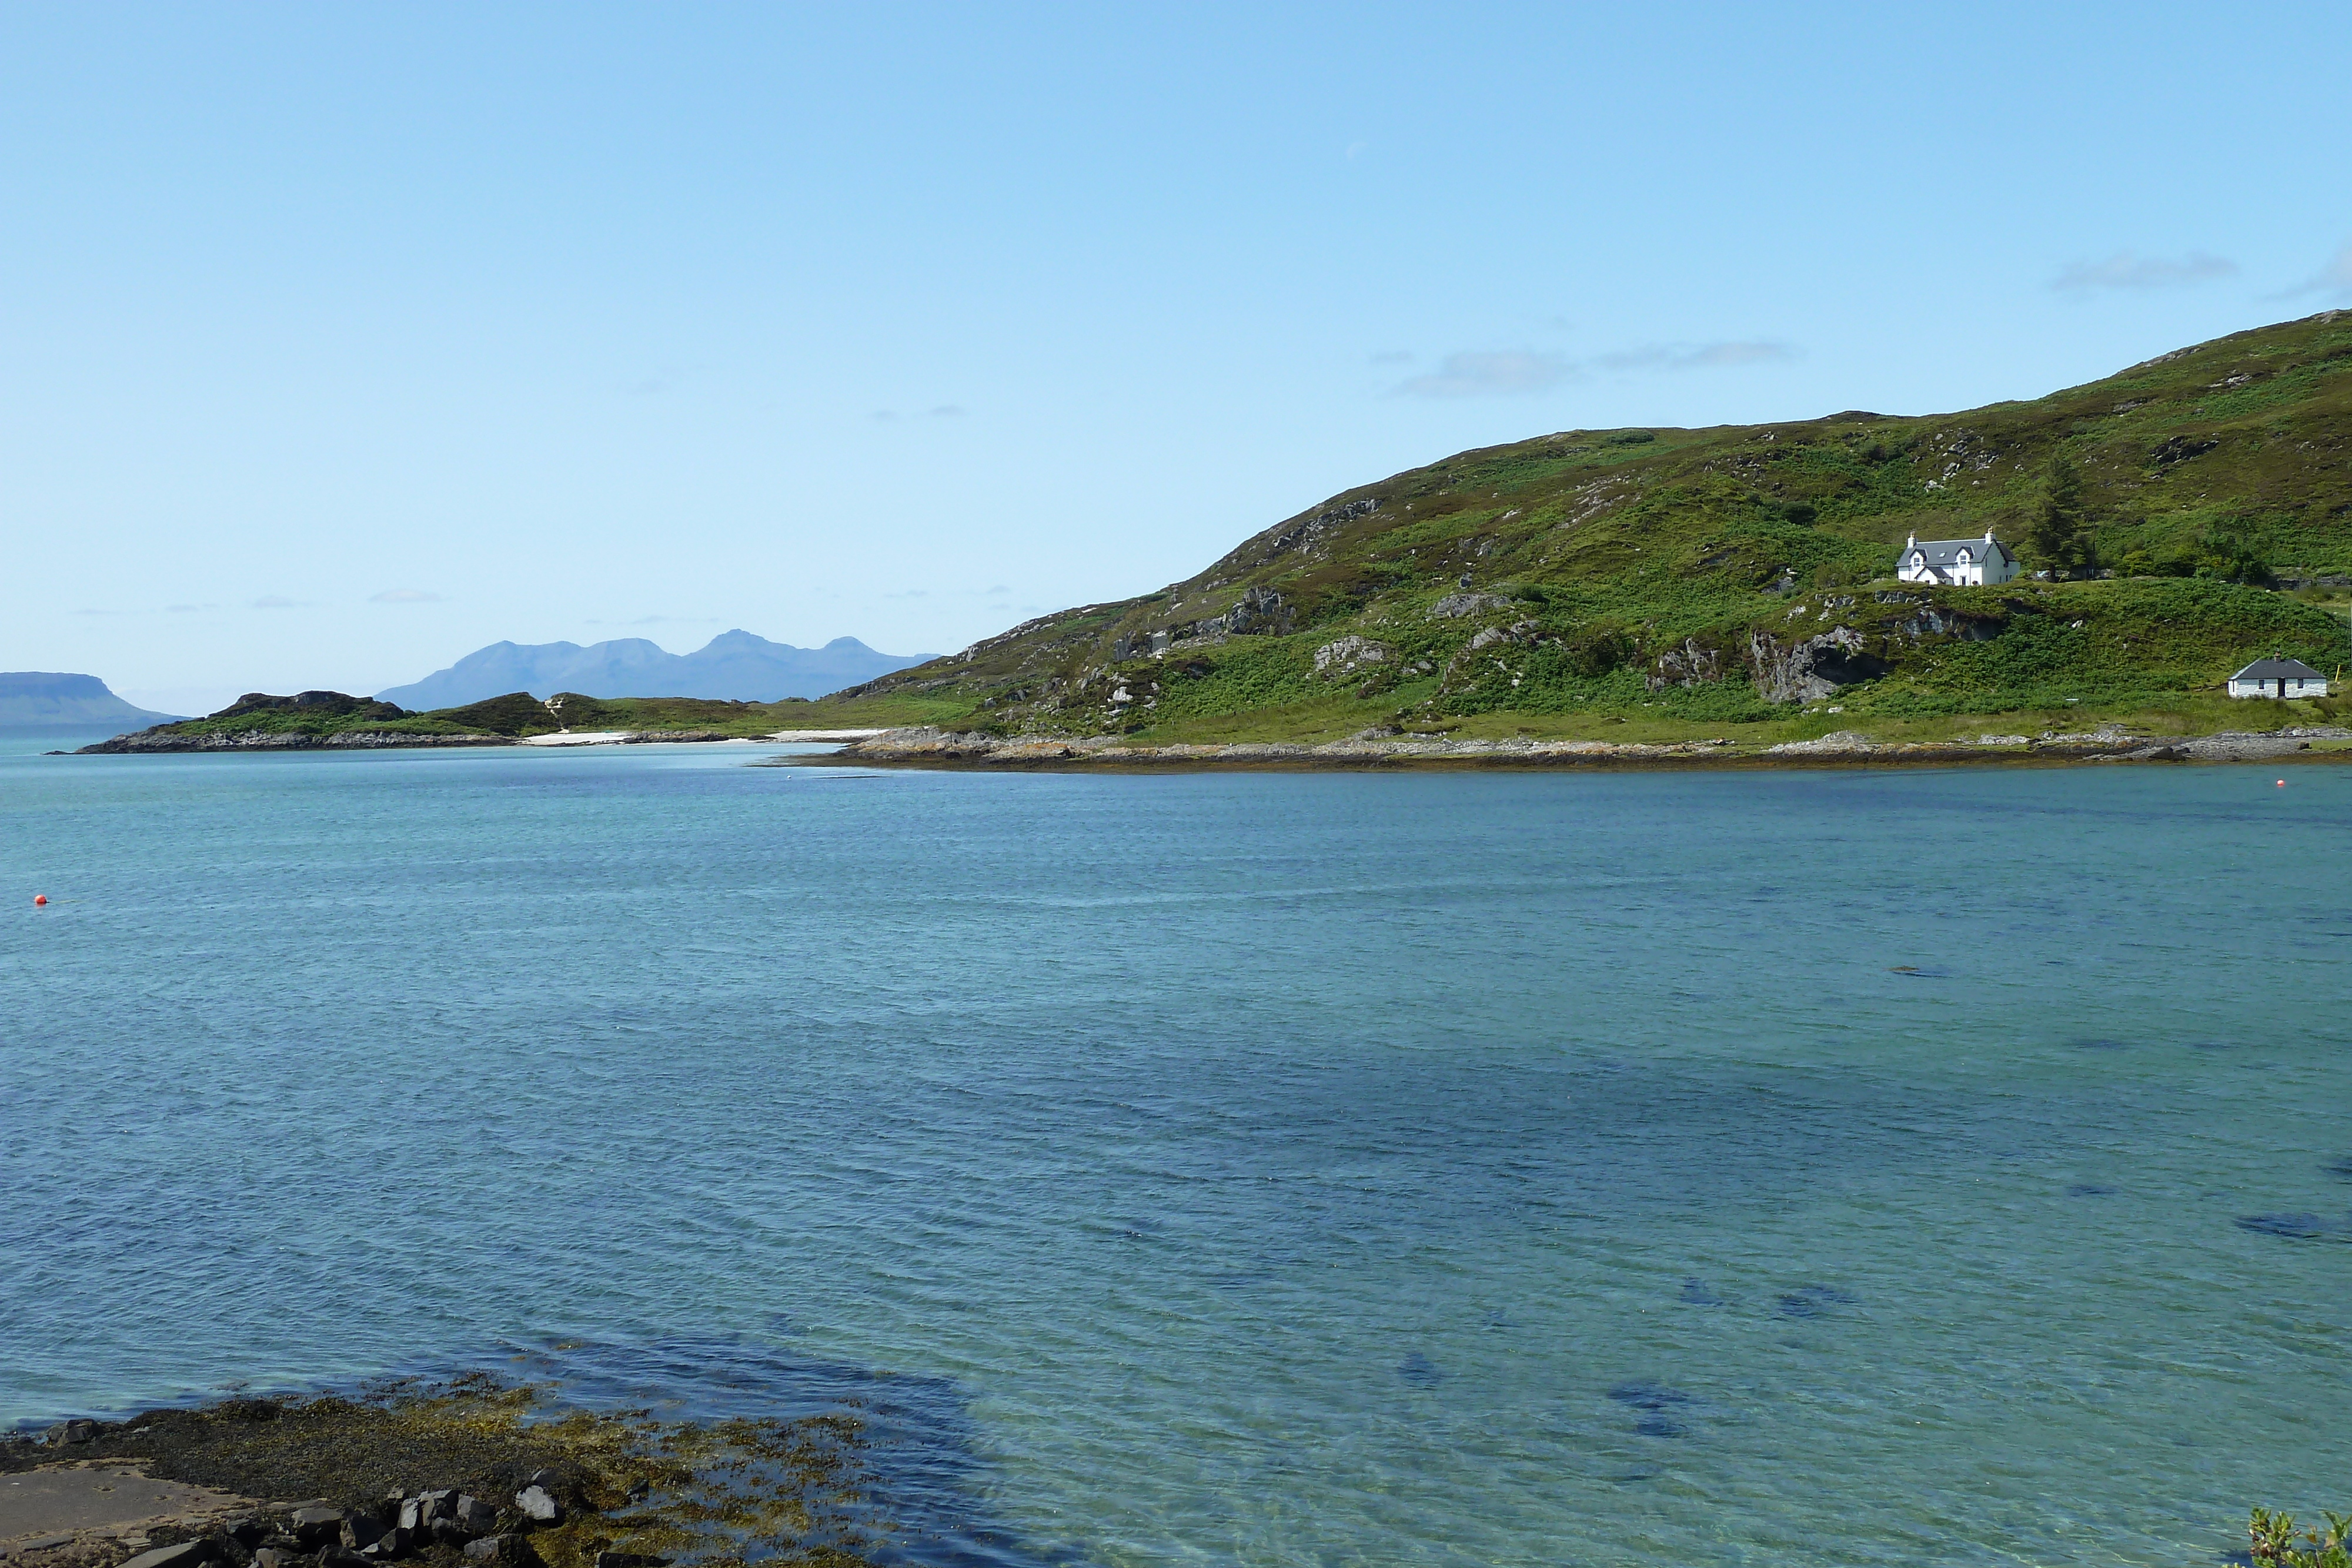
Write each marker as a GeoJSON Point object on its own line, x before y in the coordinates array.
{"type": "Point", "coordinates": [743, 1490]}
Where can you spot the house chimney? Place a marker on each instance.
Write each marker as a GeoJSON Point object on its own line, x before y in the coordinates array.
{"type": "Point", "coordinates": [1988, 536]}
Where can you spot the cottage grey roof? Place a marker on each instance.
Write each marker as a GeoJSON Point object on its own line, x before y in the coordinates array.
{"type": "Point", "coordinates": [1945, 554]}
{"type": "Point", "coordinates": [2278, 670]}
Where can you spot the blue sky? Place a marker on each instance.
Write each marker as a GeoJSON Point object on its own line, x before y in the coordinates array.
{"type": "Point", "coordinates": [336, 341]}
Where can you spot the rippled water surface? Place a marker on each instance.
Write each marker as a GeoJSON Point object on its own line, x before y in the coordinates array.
{"type": "Point", "coordinates": [1766, 1169]}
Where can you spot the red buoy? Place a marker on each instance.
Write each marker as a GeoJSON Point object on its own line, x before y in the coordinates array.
{"type": "Point", "coordinates": [40, 899]}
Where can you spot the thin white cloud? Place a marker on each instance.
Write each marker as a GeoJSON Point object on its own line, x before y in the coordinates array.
{"type": "Point", "coordinates": [2336, 277]}
{"type": "Point", "coordinates": [276, 602]}
{"type": "Point", "coordinates": [948, 411]}
{"type": "Point", "coordinates": [1696, 356]}
{"type": "Point", "coordinates": [1485, 375]}
{"type": "Point", "coordinates": [2125, 270]}
{"type": "Point", "coordinates": [404, 596]}
{"type": "Point", "coordinates": [1489, 375]}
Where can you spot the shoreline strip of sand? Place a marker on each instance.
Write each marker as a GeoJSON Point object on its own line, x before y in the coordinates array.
{"type": "Point", "coordinates": [947, 748]}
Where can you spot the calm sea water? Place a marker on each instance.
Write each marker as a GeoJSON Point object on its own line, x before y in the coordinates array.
{"type": "Point", "coordinates": [1942, 1168]}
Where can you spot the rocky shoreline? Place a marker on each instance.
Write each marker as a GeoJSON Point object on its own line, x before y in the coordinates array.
{"type": "Point", "coordinates": [224, 1529]}
{"type": "Point", "coordinates": [949, 748]}
{"type": "Point", "coordinates": [468, 1474]}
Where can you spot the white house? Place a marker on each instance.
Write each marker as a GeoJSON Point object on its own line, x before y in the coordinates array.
{"type": "Point", "coordinates": [2278, 678]}
{"type": "Point", "coordinates": [1961, 562]}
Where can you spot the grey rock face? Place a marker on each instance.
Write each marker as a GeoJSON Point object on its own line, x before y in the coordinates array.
{"type": "Point", "coordinates": [1688, 665]}
{"type": "Point", "coordinates": [361, 1530]}
{"type": "Point", "coordinates": [186, 1555]}
{"type": "Point", "coordinates": [538, 1505]}
{"type": "Point", "coordinates": [1814, 668]}
{"type": "Point", "coordinates": [1333, 660]}
{"type": "Point", "coordinates": [1456, 605]}
{"type": "Point", "coordinates": [64, 1432]}
{"type": "Point", "coordinates": [433, 1505]}
{"type": "Point", "coordinates": [276, 1557]}
{"type": "Point", "coordinates": [475, 1516]}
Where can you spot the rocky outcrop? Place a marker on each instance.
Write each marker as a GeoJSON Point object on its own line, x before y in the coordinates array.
{"type": "Point", "coordinates": [1838, 743]}
{"type": "Point", "coordinates": [322, 1535]}
{"type": "Point", "coordinates": [1814, 668]}
{"type": "Point", "coordinates": [323, 705]}
{"type": "Point", "coordinates": [1454, 606]}
{"type": "Point", "coordinates": [1259, 610]}
{"type": "Point", "coordinates": [2232, 745]}
{"type": "Point", "coordinates": [1690, 664]}
{"type": "Point", "coordinates": [1309, 535]}
{"type": "Point", "coordinates": [1344, 657]}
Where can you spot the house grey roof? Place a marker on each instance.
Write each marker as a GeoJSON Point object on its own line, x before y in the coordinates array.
{"type": "Point", "coordinates": [1943, 554]}
{"type": "Point", "coordinates": [2278, 670]}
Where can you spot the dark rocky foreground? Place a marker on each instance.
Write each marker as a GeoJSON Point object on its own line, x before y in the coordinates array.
{"type": "Point", "coordinates": [466, 1476]}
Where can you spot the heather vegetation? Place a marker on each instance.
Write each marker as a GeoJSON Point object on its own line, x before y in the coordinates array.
{"type": "Point", "coordinates": [2175, 521]}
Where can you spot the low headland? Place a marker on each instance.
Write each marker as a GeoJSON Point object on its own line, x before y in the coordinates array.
{"type": "Point", "coordinates": [337, 721]}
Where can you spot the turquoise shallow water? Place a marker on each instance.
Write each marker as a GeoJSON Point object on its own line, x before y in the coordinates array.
{"type": "Point", "coordinates": [1773, 1168]}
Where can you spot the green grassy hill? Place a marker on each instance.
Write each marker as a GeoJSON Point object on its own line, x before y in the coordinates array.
{"type": "Point", "coordinates": [1677, 579]}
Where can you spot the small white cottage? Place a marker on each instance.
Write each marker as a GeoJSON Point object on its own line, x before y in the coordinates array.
{"type": "Point", "coordinates": [1957, 562]}
{"type": "Point", "coordinates": [2278, 678]}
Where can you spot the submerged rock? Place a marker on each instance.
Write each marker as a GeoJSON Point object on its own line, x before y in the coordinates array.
{"type": "Point", "coordinates": [186, 1555]}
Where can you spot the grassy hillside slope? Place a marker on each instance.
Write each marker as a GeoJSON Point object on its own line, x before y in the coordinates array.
{"type": "Point", "coordinates": [1675, 580]}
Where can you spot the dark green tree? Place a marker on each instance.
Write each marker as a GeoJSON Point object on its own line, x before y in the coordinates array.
{"type": "Point", "coordinates": [2226, 549]}
{"type": "Point", "coordinates": [2059, 539]}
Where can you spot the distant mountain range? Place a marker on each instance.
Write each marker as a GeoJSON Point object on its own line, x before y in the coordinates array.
{"type": "Point", "coordinates": [43, 700]}
{"type": "Point", "coordinates": [734, 666]}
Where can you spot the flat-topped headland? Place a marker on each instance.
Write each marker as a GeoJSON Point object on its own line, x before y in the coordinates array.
{"type": "Point", "coordinates": [325, 720]}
